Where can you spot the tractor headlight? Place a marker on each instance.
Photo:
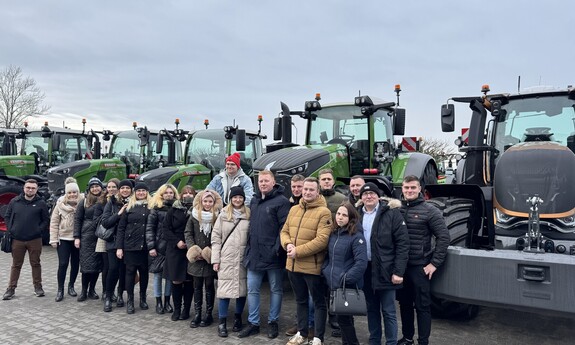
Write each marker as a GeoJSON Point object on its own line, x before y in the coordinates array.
{"type": "Point", "coordinates": [300, 169]}
{"type": "Point", "coordinates": [502, 218]}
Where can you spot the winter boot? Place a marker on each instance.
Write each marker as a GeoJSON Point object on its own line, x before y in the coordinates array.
{"type": "Point", "coordinates": [222, 328]}
{"type": "Point", "coordinates": [120, 301]}
{"type": "Point", "coordinates": [130, 304]}
{"type": "Point", "coordinates": [237, 323]}
{"type": "Point", "coordinates": [60, 294]}
{"type": "Point", "coordinates": [188, 296]}
{"type": "Point", "coordinates": [71, 290]}
{"type": "Point", "coordinates": [107, 303]}
{"type": "Point", "coordinates": [208, 318]}
{"type": "Point", "coordinates": [159, 306]}
{"type": "Point", "coordinates": [83, 295]}
{"type": "Point", "coordinates": [92, 294]}
{"type": "Point", "coordinates": [167, 306]}
{"type": "Point", "coordinates": [177, 297]}
{"type": "Point", "coordinates": [143, 304]}
{"type": "Point", "coordinates": [198, 316]}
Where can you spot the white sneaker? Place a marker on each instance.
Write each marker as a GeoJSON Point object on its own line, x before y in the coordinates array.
{"type": "Point", "coordinates": [316, 341]}
{"type": "Point", "coordinates": [297, 339]}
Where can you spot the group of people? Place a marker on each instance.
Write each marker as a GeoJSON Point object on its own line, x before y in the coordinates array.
{"type": "Point", "coordinates": [323, 239]}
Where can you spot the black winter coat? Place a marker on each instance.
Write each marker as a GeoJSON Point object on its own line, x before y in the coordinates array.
{"type": "Point", "coordinates": [424, 220]}
{"type": "Point", "coordinates": [154, 235]}
{"type": "Point", "coordinates": [268, 215]}
{"type": "Point", "coordinates": [389, 242]}
{"type": "Point", "coordinates": [111, 219]}
{"type": "Point", "coordinates": [27, 220]}
{"type": "Point", "coordinates": [85, 222]}
{"type": "Point", "coordinates": [132, 228]}
{"type": "Point", "coordinates": [176, 265]}
{"type": "Point", "coordinates": [346, 254]}
{"type": "Point", "coordinates": [195, 236]}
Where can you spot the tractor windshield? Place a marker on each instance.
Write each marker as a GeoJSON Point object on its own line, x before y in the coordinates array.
{"type": "Point", "coordinates": [72, 147]}
{"type": "Point", "coordinates": [208, 147]}
{"type": "Point", "coordinates": [549, 118]}
{"type": "Point", "coordinates": [346, 125]}
{"type": "Point", "coordinates": [126, 146]}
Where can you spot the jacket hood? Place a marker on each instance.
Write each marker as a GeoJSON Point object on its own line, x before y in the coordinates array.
{"type": "Point", "coordinates": [218, 203]}
{"type": "Point", "coordinates": [391, 202]}
{"type": "Point", "coordinates": [224, 174]}
{"type": "Point", "coordinates": [319, 202]}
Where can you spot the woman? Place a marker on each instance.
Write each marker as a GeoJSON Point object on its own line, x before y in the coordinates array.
{"type": "Point", "coordinates": [86, 220]}
{"type": "Point", "coordinates": [113, 211]}
{"type": "Point", "coordinates": [176, 265]}
{"type": "Point", "coordinates": [207, 205]}
{"type": "Point", "coordinates": [62, 236]}
{"type": "Point", "coordinates": [131, 244]}
{"type": "Point", "coordinates": [159, 206]}
{"type": "Point", "coordinates": [346, 260]}
{"type": "Point", "coordinates": [111, 190]}
{"type": "Point", "coordinates": [229, 240]}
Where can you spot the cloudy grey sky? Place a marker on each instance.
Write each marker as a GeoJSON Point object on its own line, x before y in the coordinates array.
{"type": "Point", "coordinates": [114, 62]}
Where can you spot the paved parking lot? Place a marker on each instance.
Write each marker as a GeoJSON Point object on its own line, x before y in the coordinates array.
{"type": "Point", "coordinates": [27, 319]}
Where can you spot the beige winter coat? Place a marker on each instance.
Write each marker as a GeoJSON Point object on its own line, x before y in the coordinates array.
{"type": "Point", "coordinates": [232, 275]}
{"type": "Point", "coordinates": [62, 221]}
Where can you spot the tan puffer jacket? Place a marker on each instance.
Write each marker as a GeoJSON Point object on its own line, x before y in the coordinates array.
{"type": "Point", "coordinates": [232, 275]}
{"type": "Point", "coordinates": [62, 220]}
{"type": "Point", "coordinates": [307, 227]}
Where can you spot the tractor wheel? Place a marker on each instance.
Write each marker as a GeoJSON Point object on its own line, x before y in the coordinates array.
{"type": "Point", "coordinates": [7, 193]}
{"type": "Point", "coordinates": [429, 175]}
{"type": "Point", "coordinates": [456, 212]}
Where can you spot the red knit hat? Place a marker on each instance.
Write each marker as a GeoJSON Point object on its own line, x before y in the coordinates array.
{"type": "Point", "coordinates": [234, 158]}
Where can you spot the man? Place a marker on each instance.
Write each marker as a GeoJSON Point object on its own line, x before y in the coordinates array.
{"type": "Point", "coordinates": [296, 185]}
{"type": "Point", "coordinates": [355, 184]}
{"type": "Point", "coordinates": [387, 253]}
{"type": "Point", "coordinates": [423, 221]}
{"type": "Point", "coordinates": [231, 176]}
{"type": "Point", "coordinates": [264, 254]}
{"type": "Point", "coordinates": [332, 198]}
{"type": "Point", "coordinates": [26, 218]}
{"type": "Point", "coordinates": [305, 236]}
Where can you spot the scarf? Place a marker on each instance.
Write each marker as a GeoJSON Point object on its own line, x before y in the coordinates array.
{"type": "Point", "coordinates": [237, 213]}
{"type": "Point", "coordinates": [206, 222]}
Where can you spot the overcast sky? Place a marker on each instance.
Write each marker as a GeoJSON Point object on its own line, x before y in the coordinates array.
{"type": "Point", "coordinates": [114, 62]}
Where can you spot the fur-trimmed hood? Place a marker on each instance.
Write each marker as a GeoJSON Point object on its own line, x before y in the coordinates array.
{"type": "Point", "coordinates": [391, 202]}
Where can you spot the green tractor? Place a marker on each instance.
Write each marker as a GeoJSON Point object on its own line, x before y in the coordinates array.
{"type": "Point", "coordinates": [511, 211]}
{"type": "Point", "coordinates": [131, 153]}
{"type": "Point", "coordinates": [349, 138]}
{"type": "Point", "coordinates": [205, 154]}
{"type": "Point", "coordinates": [39, 150]}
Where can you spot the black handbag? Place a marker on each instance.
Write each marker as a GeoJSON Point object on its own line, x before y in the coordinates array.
{"type": "Point", "coordinates": [347, 301]}
{"type": "Point", "coordinates": [103, 233]}
{"type": "Point", "coordinates": [6, 243]}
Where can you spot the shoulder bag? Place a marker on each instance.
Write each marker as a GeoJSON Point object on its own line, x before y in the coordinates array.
{"type": "Point", "coordinates": [347, 301]}
{"type": "Point", "coordinates": [6, 243]}
{"type": "Point", "coordinates": [103, 233]}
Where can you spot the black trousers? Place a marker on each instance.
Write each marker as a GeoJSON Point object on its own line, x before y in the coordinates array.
{"type": "Point", "coordinates": [136, 261]}
{"type": "Point", "coordinates": [303, 285]}
{"type": "Point", "coordinates": [416, 293]}
{"type": "Point", "coordinates": [116, 273]}
{"type": "Point", "coordinates": [68, 255]}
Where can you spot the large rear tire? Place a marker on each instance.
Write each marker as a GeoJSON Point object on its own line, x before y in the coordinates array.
{"type": "Point", "coordinates": [7, 193]}
{"type": "Point", "coordinates": [456, 212]}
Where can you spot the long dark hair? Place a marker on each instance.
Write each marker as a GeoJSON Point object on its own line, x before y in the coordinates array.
{"type": "Point", "coordinates": [353, 217]}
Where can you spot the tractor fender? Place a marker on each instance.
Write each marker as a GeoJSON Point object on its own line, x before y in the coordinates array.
{"type": "Point", "coordinates": [6, 180]}
{"type": "Point", "coordinates": [415, 163]}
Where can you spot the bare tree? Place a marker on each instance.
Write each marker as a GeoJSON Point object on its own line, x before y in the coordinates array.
{"type": "Point", "coordinates": [439, 149]}
{"type": "Point", "coordinates": [19, 98]}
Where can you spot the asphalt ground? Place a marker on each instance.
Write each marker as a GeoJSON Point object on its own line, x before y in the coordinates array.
{"type": "Point", "coordinates": [27, 319]}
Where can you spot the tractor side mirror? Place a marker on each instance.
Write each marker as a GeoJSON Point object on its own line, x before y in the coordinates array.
{"type": "Point", "coordinates": [399, 122]}
{"type": "Point", "coordinates": [56, 142]}
{"type": "Point", "coordinates": [448, 118]}
{"type": "Point", "coordinates": [159, 143]}
{"type": "Point", "coordinates": [278, 128]}
{"type": "Point", "coordinates": [240, 140]}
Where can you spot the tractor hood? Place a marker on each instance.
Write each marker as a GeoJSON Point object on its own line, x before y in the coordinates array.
{"type": "Point", "coordinates": [157, 177]}
{"type": "Point", "coordinates": [536, 168]}
{"type": "Point", "coordinates": [298, 158]}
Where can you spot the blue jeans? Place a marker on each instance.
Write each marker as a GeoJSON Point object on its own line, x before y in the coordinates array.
{"type": "Point", "coordinates": [225, 303]}
{"type": "Point", "coordinates": [158, 286]}
{"type": "Point", "coordinates": [255, 279]}
{"type": "Point", "coordinates": [380, 302]}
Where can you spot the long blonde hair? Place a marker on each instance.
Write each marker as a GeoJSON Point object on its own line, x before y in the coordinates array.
{"type": "Point", "coordinates": [157, 200]}
{"type": "Point", "coordinates": [229, 210]}
{"type": "Point", "coordinates": [133, 201]}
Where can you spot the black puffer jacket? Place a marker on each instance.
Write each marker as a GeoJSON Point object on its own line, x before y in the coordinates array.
{"type": "Point", "coordinates": [154, 233]}
{"type": "Point", "coordinates": [268, 215]}
{"type": "Point", "coordinates": [111, 219]}
{"type": "Point", "coordinates": [175, 224]}
{"type": "Point", "coordinates": [424, 220]}
{"type": "Point", "coordinates": [132, 228]}
{"type": "Point", "coordinates": [389, 244]}
{"type": "Point", "coordinates": [85, 222]}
